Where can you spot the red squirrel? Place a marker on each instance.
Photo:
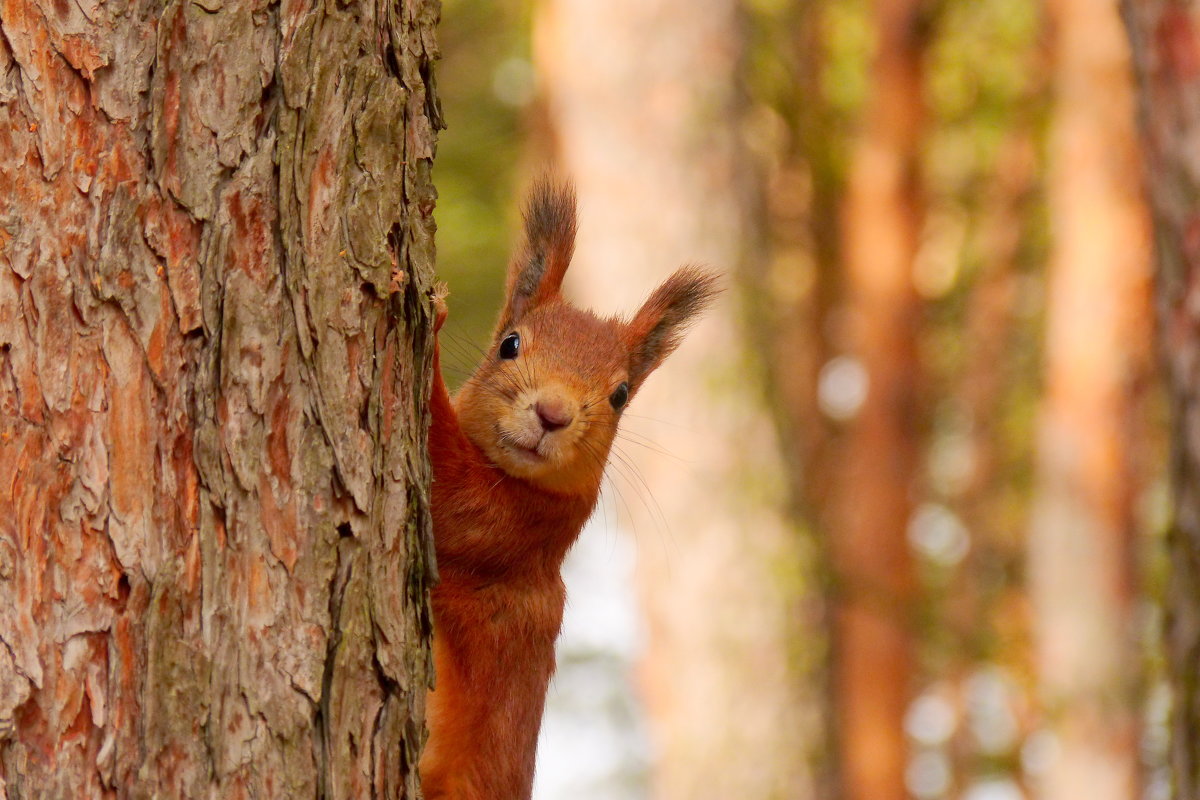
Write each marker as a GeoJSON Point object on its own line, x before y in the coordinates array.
{"type": "Point", "coordinates": [517, 460]}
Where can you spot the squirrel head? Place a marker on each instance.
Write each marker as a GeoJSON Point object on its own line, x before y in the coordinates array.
{"type": "Point", "coordinates": [545, 402]}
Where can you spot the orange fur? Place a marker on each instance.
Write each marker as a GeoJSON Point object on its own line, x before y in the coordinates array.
{"type": "Point", "coordinates": [517, 461]}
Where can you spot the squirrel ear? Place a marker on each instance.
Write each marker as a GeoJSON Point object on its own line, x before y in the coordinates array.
{"type": "Point", "coordinates": [536, 272]}
{"type": "Point", "coordinates": [659, 325]}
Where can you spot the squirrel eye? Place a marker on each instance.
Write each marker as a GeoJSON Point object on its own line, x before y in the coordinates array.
{"type": "Point", "coordinates": [510, 345]}
{"type": "Point", "coordinates": [619, 397]}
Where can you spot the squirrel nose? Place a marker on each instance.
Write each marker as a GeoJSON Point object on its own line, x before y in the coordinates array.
{"type": "Point", "coordinates": [553, 414]}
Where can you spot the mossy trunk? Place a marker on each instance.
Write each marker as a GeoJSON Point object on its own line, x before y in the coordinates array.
{"type": "Point", "coordinates": [1165, 35]}
{"type": "Point", "coordinates": [216, 251]}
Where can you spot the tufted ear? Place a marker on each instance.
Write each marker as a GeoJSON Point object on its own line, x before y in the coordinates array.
{"type": "Point", "coordinates": [659, 325]}
{"type": "Point", "coordinates": [536, 272]}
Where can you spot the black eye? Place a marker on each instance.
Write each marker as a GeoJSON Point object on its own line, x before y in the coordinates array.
{"type": "Point", "coordinates": [510, 345]}
{"type": "Point", "coordinates": [619, 397]}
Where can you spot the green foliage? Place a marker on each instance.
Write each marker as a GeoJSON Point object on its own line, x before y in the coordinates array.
{"type": "Point", "coordinates": [484, 92]}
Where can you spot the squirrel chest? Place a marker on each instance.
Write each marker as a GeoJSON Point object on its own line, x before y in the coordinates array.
{"type": "Point", "coordinates": [499, 558]}
{"type": "Point", "coordinates": [498, 609]}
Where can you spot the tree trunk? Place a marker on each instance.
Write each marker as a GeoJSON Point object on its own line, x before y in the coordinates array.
{"type": "Point", "coordinates": [215, 257]}
{"type": "Point", "coordinates": [642, 98]}
{"type": "Point", "coordinates": [793, 292]}
{"type": "Point", "coordinates": [1165, 35]}
{"type": "Point", "coordinates": [1081, 540]}
{"type": "Point", "coordinates": [874, 612]}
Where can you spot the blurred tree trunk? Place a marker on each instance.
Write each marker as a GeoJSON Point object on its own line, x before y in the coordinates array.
{"type": "Point", "coordinates": [791, 296]}
{"type": "Point", "coordinates": [1165, 35]}
{"type": "Point", "coordinates": [215, 254]}
{"type": "Point", "coordinates": [1081, 568]}
{"type": "Point", "coordinates": [643, 101]}
{"type": "Point", "coordinates": [874, 612]}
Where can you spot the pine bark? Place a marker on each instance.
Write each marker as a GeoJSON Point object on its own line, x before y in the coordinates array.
{"type": "Point", "coordinates": [216, 251]}
{"type": "Point", "coordinates": [1165, 35]}
{"type": "Point", "coordinates": [1081, 545]}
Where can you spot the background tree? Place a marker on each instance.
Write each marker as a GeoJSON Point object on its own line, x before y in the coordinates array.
{"type": "Point", "coordinates": [1082, 580]}
{"type": "Point", "coordinates": [215, 258]}
{"type": "Point", "coordinates": [874, 580]}
{"type": "Point", "coordinates": [1166, 52]}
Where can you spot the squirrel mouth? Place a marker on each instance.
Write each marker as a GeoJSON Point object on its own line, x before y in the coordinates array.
{"type": "Point", "coordinates": [529, 454]}
{"type": "Point", "coordinates": [515, 445]}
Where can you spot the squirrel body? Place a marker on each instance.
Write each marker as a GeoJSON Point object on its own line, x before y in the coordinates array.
{"type": "Point", "coordinates": [517, 457]}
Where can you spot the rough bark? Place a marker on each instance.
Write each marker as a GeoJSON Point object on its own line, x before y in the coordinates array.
{"type": "Point", "coordinates": [1081, 568]}
{"type": "Point", "coordinates": [873, 612]}
{"type": "Point", "coordinates": [1165, 35]}
{"type": "Point", "coordinates": [643, 102]}
{"type": "Point", "coordinates": [215, 255]}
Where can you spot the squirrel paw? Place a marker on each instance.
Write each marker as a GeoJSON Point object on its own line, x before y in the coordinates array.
{"type": "Point", "coordinates": [440, 309]}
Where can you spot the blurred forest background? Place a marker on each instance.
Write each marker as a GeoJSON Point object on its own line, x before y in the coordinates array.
{"type": "Point", "coordinates": [890, 523]}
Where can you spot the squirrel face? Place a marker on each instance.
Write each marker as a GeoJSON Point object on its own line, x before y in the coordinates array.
{"type": "Point", "coordinates": [544, 404]}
